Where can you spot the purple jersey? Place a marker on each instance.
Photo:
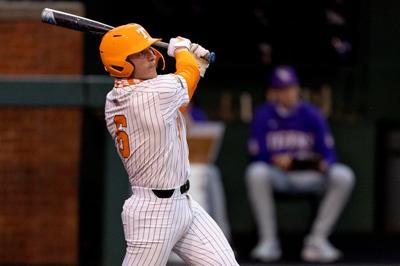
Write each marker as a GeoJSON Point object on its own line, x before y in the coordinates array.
{"type": "Point", "coordinates": [197, 114]}
{"type": "Point", "coordinates": [303, 133]}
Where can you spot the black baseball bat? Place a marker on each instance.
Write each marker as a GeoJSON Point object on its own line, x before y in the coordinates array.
{"type": "Point", "coordinates": [74, 22]}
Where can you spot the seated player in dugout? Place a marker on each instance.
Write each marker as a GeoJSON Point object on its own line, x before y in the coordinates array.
{"type": "Point", "coordinates": [143, 116]}
{"type": "Point", "coordinates": [292, 151]}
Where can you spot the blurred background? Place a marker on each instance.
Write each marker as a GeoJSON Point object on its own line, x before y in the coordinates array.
{"type": "Point", "coordinates": [62, 184]}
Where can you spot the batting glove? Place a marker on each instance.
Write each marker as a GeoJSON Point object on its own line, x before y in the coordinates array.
{"type": "Point", "coordinates": [200, 53]}
{"type": "Point", "coordinates": [177, 43]}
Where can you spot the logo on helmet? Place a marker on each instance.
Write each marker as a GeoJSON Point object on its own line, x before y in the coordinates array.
{"type": "Point", "coordinates": [143, 32]}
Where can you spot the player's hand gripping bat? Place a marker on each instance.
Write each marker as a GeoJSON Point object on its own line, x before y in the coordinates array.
{"type": "Point", "coordinates": [74, 22]}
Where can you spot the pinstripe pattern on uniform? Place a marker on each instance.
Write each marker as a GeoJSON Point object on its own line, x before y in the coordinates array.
{"type": "Point", "coordinates": [159, 159]}
{"type": "Point", "coordinates": [204, 243]}
{"type": "Point", "coordinates": [152, 226]}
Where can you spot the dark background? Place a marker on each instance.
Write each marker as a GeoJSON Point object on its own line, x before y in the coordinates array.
{"type": "Point", "coordinates": [297, 31]}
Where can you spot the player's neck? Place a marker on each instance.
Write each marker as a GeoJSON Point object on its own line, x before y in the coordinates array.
{"type": "Point", "coordinates": [285, 111]}
{"type": "Point", "coordinates": [119, 83]}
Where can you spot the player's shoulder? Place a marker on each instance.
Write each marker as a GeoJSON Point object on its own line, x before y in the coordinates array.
{"type": "Point", "coordinates": [111, 95]}
{"type": "Point", "coordinates": [307, 109]}
{"type": "Point", "coordinates": [169, 79]}
{"type": "Point", "coordinates": [264, 110]}
{"type": "Point", "coordinates": [166, 82]}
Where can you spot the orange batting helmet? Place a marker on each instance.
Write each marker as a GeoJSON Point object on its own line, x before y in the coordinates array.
{"type": "Point", "coordinates": [120, 42]}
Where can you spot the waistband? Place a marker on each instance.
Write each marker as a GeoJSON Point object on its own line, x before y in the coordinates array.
{"type": "Point", "coordinates": [161, 193]}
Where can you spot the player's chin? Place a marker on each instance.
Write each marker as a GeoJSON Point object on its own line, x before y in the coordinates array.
{"type": "Point", "coordinates": [152, 72]}
{"type": "Point", "coordinates": [153, 67]}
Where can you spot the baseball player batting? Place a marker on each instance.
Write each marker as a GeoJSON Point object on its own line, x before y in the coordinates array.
{"type": "Point", "coordinates": [143, 115]}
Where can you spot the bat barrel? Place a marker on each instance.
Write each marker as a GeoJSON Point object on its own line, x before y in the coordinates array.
{"type": "Point", "coordinates": [74, 22]}
{"type": "Point", "coordinates": [70, 21]}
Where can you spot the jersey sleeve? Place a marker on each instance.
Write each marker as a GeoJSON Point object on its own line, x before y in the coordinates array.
{"type": "Point", "coordinates": [173, 95]}
{"type": "Point", "coordinates": [324, 142]}
{"type": "Point", "coordinates": [257, 147]}
{"type": "Point", "coordinates": [186, 67]}
{"type": "Point", "coordinates": [184, 82]}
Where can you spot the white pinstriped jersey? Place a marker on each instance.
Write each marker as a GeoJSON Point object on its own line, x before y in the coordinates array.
{"type": "Point", "coordinates": [149, 130]}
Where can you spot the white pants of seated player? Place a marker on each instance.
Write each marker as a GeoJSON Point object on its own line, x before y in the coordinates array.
{"type": "Point", "coordinates": [262, 179]}
{"type": "Point", "coordinates": [207, 189]}
{"type": "Point", "coordinates": [153, 227]}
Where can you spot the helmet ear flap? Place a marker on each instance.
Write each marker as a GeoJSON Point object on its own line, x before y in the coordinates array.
{"type": "Point", "coordinates": [128, 69]}
{"type": "Point", "coordinates": [124, 71]}
{"type": "Point", "coordinates": [158, 57]}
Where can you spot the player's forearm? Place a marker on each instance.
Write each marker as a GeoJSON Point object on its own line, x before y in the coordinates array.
{"type": "Point", "coordinates": [329, 160]}
{"type": "Point", "coordinates": [186, 66]}
{"type": "Point", "coordinates": [327, 154]}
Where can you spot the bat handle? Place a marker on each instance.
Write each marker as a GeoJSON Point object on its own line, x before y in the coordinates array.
{"type": "Point", "coordinates": [210, 57]}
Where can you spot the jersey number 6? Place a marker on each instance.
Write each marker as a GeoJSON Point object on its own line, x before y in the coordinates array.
{"type": "Point", "coordinates": [122, 137]}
